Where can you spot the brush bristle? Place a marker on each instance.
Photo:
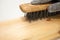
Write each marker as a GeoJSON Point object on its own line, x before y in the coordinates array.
{"type": "Point", "coordinates": [32, 16]}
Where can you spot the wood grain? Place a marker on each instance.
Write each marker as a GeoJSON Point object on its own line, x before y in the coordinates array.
{"type": "Point", "coordinates": [20, 29]}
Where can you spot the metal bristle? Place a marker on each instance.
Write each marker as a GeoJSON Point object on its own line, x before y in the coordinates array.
{"type": "Point", "coordinates": [32, 16]}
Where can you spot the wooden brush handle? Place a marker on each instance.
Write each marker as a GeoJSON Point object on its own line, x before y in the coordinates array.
{"type": "Point", "coordinates": [32, 8]}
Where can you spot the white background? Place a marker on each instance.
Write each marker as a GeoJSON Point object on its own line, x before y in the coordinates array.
{"type": "Point", "coordinates": [9, 9]}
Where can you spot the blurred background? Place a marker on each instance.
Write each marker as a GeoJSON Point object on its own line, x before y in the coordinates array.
{"type": "Point", "coordinates": [9, 9]}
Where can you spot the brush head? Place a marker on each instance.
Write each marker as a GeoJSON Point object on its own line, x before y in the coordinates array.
{"type": "Point", "coordinates": [35, 12]}
{"type": "Point", "coordinates": [32, 16]}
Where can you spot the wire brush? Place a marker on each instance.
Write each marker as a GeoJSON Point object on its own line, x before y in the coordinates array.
{"type": "Point", "coordinates": [35, 12]}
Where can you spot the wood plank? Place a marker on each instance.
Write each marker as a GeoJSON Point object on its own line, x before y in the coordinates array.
{"type": "Point", "coordinates": [20, 29]}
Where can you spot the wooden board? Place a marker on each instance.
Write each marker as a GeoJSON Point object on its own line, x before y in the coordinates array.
{"type": "Point", "coordinates": [20, 29]}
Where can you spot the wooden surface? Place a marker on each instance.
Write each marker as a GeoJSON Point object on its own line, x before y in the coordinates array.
{"type": "Point", "coordinates": [32, 8]}
{"type": "Point", "coordinates": [19, 29]}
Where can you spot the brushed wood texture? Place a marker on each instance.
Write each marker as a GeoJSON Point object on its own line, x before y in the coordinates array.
{"type": "Point", "coordinates": [20, 29]}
